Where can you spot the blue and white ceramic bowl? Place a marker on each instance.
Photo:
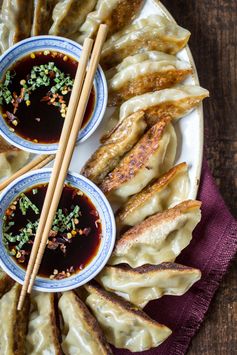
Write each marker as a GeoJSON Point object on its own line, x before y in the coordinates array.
{"type": "Point", "coordinates": [30, 179]}
{"type": "Point", "coordinates": [68, 47]}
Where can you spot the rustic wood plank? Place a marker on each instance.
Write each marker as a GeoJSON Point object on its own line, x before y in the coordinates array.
{"type": "Point", "coordinates": [213, 24]}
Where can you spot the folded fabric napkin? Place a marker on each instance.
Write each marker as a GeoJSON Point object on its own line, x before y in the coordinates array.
{"type": "Point", "coordinates": [213, 246]}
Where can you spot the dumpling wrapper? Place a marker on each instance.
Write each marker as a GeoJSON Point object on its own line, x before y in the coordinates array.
{"type": "Point", "coordinates": [43, 334]}
{"type": "Point", "coordinates": [148, 72]}
{"type": "Point", "coordinates": [42, 19]}
{"type": "Point", "coordinates": [154, 32]}
{"type": "Point", "coordinates": [16, 19]}
{"type": "Point", "coordinates": [166, 192]}
{"type": "Point", "coordinates": [11, 158]}
{"type": "Point", "coordinates": [174, 102]}
{"type": "Point", "coordinates": [14, 323]}
{"type": "Point", "coordinates": [81, 334]}
{"type": "Point", "coordinates": [4, 34]}
{"type": "Point", "coordinates": [124, 325]}
{"type": "Point", "coordinates": [6, 283]}
{"type": "Point", "coordinates": [68, 16]}
{"type": "Point", "coordinates": [122, 138]}
{"type": "Point", "coordinates": [148, 282]}
{"type": "Point", "coordinates": [114, 13]}
{"type": "Point", "coordinates": [155, 56]}
{"type": "Point", "coordinates": [160, 238]}
{"type": "Point", "coordinates": [148, 159]}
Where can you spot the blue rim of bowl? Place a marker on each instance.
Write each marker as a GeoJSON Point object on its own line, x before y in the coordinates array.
{"type": "Point", "coordinates": [8, 264]}
{"type": "Point", "coordinates": [68, 47]}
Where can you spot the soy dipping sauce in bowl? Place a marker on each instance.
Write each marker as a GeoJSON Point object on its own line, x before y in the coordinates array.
{"type": "Point", "coordinates": [81, 238]}
{"type": "Point", "coordinates": [74, 238]}
{"type": "Point", "coordinates": [36, 80]}
{"type": "Point", "coordinates": [36, 95]}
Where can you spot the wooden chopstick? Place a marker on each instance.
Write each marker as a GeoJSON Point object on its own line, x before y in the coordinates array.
{"type": "Point", "coordinates": [37, 163]}
{"type": "Point", "coordinates": [72, 107]}
{"type": "Point", "coordinates": [95, 57]}
{"type": "Point", "coordinates": [44, 162]}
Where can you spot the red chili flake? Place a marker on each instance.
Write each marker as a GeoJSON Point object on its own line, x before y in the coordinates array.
{"type": "Point", "coordinates": [63, 248]}
{"type": "Point", "coordinates": [22, 93]}
{"type": "Point", "coordinates": [21, 259]}
{"type": "Point", "coordinates": [45, 98]}
{"type": "Point", "coordinates": [52, 233]}
{"type": "Point", "coordinates": [52, 244]}
{"type": "Point", "coordinates": [9, 212]}
{"type": "Point", "coordinates": [94, 213]}
{"type": "Point", "coordinates": [71, 269]}
{"type": "Point", "coordinates": [74, 194]}
{"type": "Point", "coordinates": [98, 221]}
{"type": "Point", "coordinates": [10, 116]}
{"type": "Point", "coordinates": [51, 74]}
{"type": "Point", "coordinates": [85, 231]}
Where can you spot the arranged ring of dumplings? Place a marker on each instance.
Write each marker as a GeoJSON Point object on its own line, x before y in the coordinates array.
{"type": "Point", "coordinates": [134, 167]}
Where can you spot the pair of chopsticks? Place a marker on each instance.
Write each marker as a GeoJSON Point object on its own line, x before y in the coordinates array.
{"type": "Point", "coordinates": [37, 163]}
{"type": "Point", "coordinates": [73, 121]}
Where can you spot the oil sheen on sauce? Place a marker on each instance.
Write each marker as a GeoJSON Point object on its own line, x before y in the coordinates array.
{"type": "Point", "coordinates": [80, 249]}
{"type": "Point", "coordinates": [41, 122]}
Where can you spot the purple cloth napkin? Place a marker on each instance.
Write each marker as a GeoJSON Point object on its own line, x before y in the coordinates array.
{"type": "Point", "coordinates": [213, 246]}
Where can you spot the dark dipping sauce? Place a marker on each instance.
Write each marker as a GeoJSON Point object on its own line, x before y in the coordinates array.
{"type": "Point", "coordinates": [41, 121]}
{"type": "Point", "coordinates": [67, 252]}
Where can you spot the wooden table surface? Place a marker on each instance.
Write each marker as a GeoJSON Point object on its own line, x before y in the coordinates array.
{"type": "Point", "coordinates": [213, 24]}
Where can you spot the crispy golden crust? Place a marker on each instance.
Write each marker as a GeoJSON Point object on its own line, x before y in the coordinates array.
{"type": "Point", "coordinates": [174, 109]}
{"type": "Point", "coordinates": [149, 269]}
{"type": "Point", "coordinates": [20, 324]}
{"type": "Point", "coordinates": [139, 199]}
{"type": "Point", "coordinates": [116, 144]}
{"type": "Point", "coordinates": [125, 306]}
{"type": "Point", "coordinates": [136, 158]}
{"type": "Point", "coordinates": [168, 215]}
{"type": "Point", "coordinates": [55, 324]}
{"type": "Point", "coordinates": [6, 283]}
{"type": "Point", "coordinates": [123, 14]}
{"type": "Point", "coordinates": [42, 19]}
{"type": "Point", "coordinates": [5, 147]}
{"type": "Point", "coordinates": [91, 323]}
{"type": "Point", "coordinates": [23, 22]}
{"type": "Point", "coordinates": [147, 83]}
{"type": "Point", "coordinates": [147, 41]}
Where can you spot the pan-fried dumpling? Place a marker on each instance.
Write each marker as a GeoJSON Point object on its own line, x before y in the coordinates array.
{"type": "Point", "coordinates": [43, 335]}
{"type": "Point", "coordinates": [116, 144]}
{"type": "Point", "coordinates": [6, 283]}
{"type": "Point", "coordinates": [16, 17]}
{"type": "Point", "coordinates": [11, 158]}
{"type": "Point", "coordinates": [152, 33]}
{"type": "Point", "coordinates": [148, 282]}
{"type": "Point", "coordinates": [160, 238]}
{"type": "Point", "coordinates": [149, 158]}
{"type": "Point", "coordinates": [166, 192]}
{"type": "Point", "coordinates": [115, 13]}
{"type": "Point", "coordinates": [13, 326]}
{"type": "Point", "coordinates": [147, 72]}
{"type": "Point", "coordinates": [68, 16]}
{"type": "Point", "coordinates": [174, 102]}
{"type": "Point", "coordinates": [42, 19]}
{"type": "Point", "coordinates": [124, 325]}
{"type": "Point", "coordinates": [81, 334]}
{"type": "Point", "coordinates": [155, 56]}
{"type": "Point", "coordinates": [4, 34]}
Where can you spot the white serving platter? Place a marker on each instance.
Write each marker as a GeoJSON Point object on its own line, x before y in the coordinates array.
{"type": "Point", "coordinates": [189, 129]}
